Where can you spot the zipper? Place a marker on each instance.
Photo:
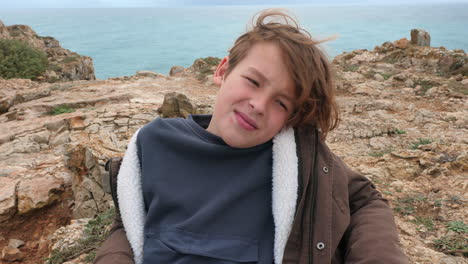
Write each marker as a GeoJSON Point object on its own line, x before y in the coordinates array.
{"type": "Point", "coordinates": [314, 196]}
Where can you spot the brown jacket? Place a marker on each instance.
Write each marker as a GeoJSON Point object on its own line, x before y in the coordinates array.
{"type": "Point", "coordinates": [339, 218]}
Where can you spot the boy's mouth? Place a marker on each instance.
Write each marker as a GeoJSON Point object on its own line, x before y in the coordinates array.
{"type": "Point", "coordinates": [245, 121]}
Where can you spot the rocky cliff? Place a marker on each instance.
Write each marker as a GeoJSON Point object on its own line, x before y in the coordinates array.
{"type": "Point", "coordinates": [404, 125]}
{"type": "Point", "coordinates": [64, 65]}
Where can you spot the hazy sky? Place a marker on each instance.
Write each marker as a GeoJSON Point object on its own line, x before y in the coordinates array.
{"type": "Point", "coordinates": [156, 3]}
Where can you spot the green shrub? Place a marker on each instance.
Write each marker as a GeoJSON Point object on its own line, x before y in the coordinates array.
{"type": "Point", "coordinates": [457, 226]}
{"type": "Point", "coordinates": [400, 131]}
{"type": "Point", "coordinates": [19, 60]}
{"type": "Point", "coordinates": [421, 141]}
{"type": "Point", "coordinates": [61, 110]}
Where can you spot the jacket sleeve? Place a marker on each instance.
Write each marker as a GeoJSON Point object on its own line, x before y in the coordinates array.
{"type": "Point", "coordinates": [116, 248]}
{"type": "Point", "coordinates": [372, 236]}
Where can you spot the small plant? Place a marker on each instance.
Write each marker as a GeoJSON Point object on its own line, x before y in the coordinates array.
{"type": "Point", "coordinates": [380, 153]}
{"type": "Point", "coordinates": [457, 226]}
{"type": "Point", "coordinates": [369, 74]}
{"type": "Point", "coordinates": [425, 221]}
{"type": "Point", "coordinates": [386, 76]}
{"type": "Point", "coordinates": [452, 244]}
{"type": "Point", "coordinates": [70, 59]}
{"type": "Point", "coordinates": [61, 110]}
{"type": "Point", "coordinates": [350, 67]}
{"type": "Point", "coordinates": [95, 232]}
{"type": "Point", "coordinates": [450, 119]}
{"type": "Point", "coordinates": [407, 205]}
{"type": "Point", "coordinates": [421, 141]}
{"type": "Point", "coordinates": [425, 85]}
{"type": "Point", "coordinates": [400, 131]}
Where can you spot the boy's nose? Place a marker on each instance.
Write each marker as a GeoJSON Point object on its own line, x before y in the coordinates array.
{"type": "Point", "coordinates": [259, 104]}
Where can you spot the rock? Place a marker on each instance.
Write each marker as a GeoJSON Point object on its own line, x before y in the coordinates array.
{"type": "Point", "coordinates": [148, 74]}
{"type": "Point", "coordinates": [379, 77]}
{"type": "Point", "coordinates": [407, 154]}
{"type": "Point", "coordinates": [7, 198]}
{"type": "Point", "coordinates": [41, 137]}
{"type": "Point", "coordinates": [400, 77]}
{"type": "Point", "coordinates": [409, 83]}
{"type": "Point", "coordinates": [11, 254]}
{"type": "Point", "coordinates": [66, 65]}
{"type": "Point", "coordinates": [464, 82]}
{"type": "Point", "coordinates": [176, 71]}
{"type": "Point", "coordinates": [380, 142]}
{"type": "Point", "coordinates": [452, 260]}
{"type": "Point", "coordinates": [67, 236]}
{"type": "Point", "coordinates": [176, 105]}
{"type": "Point", "coordinates": [420, 37]}
{"type": "Point", "coordinates": [402, 43]}
{"type": "Point", "coordinates": [60, 139]}
{"type": "Point", "coordinates": [56, 125]}
{"type": "Point", "coordinates": [15, 243]}
{"type": "Point", "coordinates": [38, 192]}
{"type": "Point", "coordinates": [77, 123]}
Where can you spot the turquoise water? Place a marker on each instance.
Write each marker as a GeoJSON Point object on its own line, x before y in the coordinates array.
{"type": "Point", "coordinates": [123, 41]}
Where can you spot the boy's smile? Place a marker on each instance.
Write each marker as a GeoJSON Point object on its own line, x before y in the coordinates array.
{"type": "Point", "coordinates": [255, 99]}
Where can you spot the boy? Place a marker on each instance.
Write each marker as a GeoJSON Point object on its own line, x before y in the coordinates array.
{"type": "Point", "coordinates": [254, 182]}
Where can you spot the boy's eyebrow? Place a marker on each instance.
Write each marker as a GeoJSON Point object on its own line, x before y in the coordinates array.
{"type": "Point", "coordinates": [261, 76]}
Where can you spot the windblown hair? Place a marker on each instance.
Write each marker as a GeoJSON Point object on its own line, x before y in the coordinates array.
{"type": "Point", "coordinates": [308, 66]}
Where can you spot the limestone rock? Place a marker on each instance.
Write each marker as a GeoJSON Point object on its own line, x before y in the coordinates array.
{"type": "Point", "coordinates": [420, 37]}
{"type": "Point", "coordinates": [67, 236]}
{"type": "Point", "coordinates": [66, 65]}
{"type": "Point", "coordinates": [176, 105]}
{"type": "Point", "coordinates": [38, 192]}
{"type": "Point", "coordinates": [402, 43]}
{"type": "Point", "coordinates": [15, 243]}
{"type": "Point", "coordinates": [7, 198]}
{"type": "Point", "coordinates": [176, 70]}
{"type": "Point", "coordinates": [11, 254]}
{"type": "Point", "coordinates": [380, 142]}
{"type": "Point", "coordinates": [148, 74]}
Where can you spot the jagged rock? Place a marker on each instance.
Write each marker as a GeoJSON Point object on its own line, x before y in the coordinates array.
{"type": "Point", "coordinates": [15, 243]}
{"type": "Point", "coordinates": [452, 260]}
{"type": "Point", "coordinates": [67, 65]}
{"type": "Point", "coordinates": [11, 254]}
{"type": "Point", "coordinates": [176, 70]}
{"type": "Point", "coordinates": [420, 37]}
{"type": "Point", "coordinates": [67, 236]}
{"type": "Point", "coordinates": [7, 198]}
{"type": "Point", "coordinates": [148, 74]}
{"type": "Point", "coordinates": [176, 105]}
{"type": "Point", "coordinates": [60, 139]}
{"type": "Point", "coordinates": [402, 43]}
{"type": "Point", "coordinates": [38, 192]}
{"type": "Point", "coordinates": [380, 142]}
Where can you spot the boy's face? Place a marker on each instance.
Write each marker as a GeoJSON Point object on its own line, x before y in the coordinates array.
{"type": "Point", "coordinates": [255, 100]}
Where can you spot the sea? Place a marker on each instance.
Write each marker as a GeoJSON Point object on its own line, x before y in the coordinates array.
{"type": "Point", "coordinates": [122, 41]}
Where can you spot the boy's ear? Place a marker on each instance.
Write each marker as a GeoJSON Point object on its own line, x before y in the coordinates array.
{"type": "Point", "coordinates": [218, 76]}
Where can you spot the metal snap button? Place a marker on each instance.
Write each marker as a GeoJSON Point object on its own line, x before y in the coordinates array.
{"type": "Point", "coordinates": [320, 245]}
{"type": "Point", "coordinates": [325, 169]}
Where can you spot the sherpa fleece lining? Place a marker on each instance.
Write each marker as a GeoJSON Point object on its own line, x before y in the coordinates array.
{"type": "Point", "coordinates": [285, 184]}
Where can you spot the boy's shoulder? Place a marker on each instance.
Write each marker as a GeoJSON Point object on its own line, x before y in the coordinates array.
{"type": "Point", "coordinates": [160, 123]}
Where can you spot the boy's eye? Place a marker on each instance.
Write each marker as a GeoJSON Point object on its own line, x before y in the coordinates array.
{"type": "Point", "coordinates": [283, 105]}
{"type": "Point", "coordinates": [254, 82]}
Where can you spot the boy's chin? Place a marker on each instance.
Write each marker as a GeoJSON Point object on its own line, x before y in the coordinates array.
{"type": "Point", "coordinates": [236, 142]}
